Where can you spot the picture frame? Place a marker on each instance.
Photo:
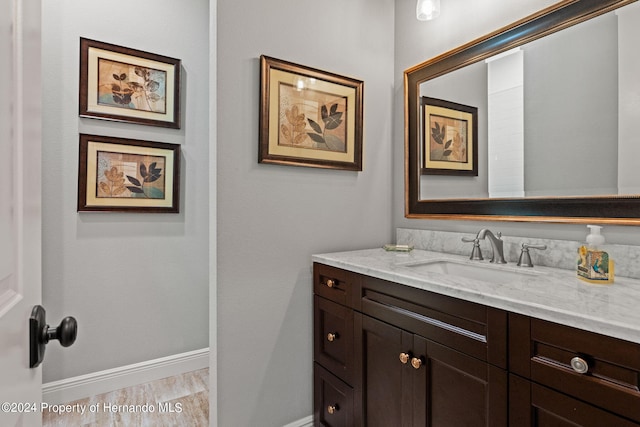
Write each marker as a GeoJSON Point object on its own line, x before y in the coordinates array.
{"type": "Point", "coordinates": [450, 138]}
{"type": "Point", "coordinates": [128, 85]}
{"type": "Point", "coordinates": [128, 175]}
{"type": "Point", "coordinates": [309, 117]}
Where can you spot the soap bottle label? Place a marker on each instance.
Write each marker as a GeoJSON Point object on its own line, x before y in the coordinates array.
{"type": "Point", "coordinates": [594, 266]}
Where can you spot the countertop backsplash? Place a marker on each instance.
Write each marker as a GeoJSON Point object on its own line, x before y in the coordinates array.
{"type": "Point", "coordinates": [559, 253]}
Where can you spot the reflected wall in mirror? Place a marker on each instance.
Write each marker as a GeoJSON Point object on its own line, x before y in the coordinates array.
{"type": "Point", "coordinates": [557, 99]}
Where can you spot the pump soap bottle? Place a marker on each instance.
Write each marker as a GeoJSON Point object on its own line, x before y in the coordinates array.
{"type": "Point", "coordinates": [594, 264]}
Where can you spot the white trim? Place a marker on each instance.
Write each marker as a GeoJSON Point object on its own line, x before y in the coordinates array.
{"type": "Point", "coordinates": [304, 422]}
{"type": "Point", "coordinates": [213, 203]}
{"type": "Point", "coordinates": [80, 387]}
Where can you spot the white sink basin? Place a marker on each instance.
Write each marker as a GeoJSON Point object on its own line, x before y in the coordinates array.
{"type": "Point", "coordinates": [474, 270]}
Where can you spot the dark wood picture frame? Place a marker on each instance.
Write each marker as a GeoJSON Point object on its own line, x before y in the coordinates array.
{"type": "Point", "coordinates": [128, 175]}
{"type": "Point", "coordinates": [309, 117]}
{"type": "Point", "coordinates": [128, 85]}
{"type": "Point", "coordinates": [450, 138]}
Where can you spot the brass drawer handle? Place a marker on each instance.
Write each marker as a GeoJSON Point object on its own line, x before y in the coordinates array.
{"type": "Point", "coordinates": [331, 336]}
{"type": "Point", "coordinates": [416, 362]}
{"type": "Point", "coordinates": [332, 409]}
{"type": "Point", "coordinates": [404, 358]}
{"type": "Point", "coordinates": [579, 365]}
{"type": "Point", "coordinates": [330, 283]}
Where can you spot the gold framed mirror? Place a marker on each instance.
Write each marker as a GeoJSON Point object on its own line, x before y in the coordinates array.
{"type": "Point", "coordinates": [612, 207]}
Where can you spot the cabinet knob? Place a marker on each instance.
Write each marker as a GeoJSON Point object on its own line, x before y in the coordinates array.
{"type": "Point", "coordinates": [404, 358]}
{"type": "Point", "coordinates": [330, 283]}
{"type": "Point", "coordinates": [331, 336]}
{"type": "Point", "coordinates": [416, 362]}
{"type": "Point", "coordinates": [332, 409]}
{"type": "Point", "coordinates": [579, 365]}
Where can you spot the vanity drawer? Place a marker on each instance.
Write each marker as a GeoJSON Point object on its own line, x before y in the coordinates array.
{"type": "Point", "coordinates": [333, 400]}
{"type": "Point", "coordinates": [335, 284]}
{"type": "Point", "coordinates": [552, 355]}
{"type": "Point", "coordinates": [333, 338]}
{"type": "Point", "coordinates": [470, 328]}
{"type": "Point", "coordinates": [533, 405]}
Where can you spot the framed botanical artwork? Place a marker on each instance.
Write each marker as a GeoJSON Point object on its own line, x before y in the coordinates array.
{"type": "Point", "coordinates": [128, 85]}
{"type": "Point", "coordinates": [128, 175]}
{"type": "Point", "coordinates": [450, 138]}
{"type": "Point", "coordinates": [309, 117]}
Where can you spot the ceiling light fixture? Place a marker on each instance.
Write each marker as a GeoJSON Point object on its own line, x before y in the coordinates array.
{"type": "Point", "coordinates": [427, 9]}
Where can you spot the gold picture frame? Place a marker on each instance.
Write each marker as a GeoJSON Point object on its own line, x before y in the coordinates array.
{"type": "Point", "coordinates": [309, 117]}
{"type": "Point", "coordinates": [128, 175]}
{"type": "Point", "coordinates": [450, 138]}
{"type": "Point", "coordinates": [128, 85]}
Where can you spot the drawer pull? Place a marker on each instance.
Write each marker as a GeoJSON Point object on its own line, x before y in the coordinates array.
{"type": "Point", "coordinates": [416, 362]}
{"type": "Point", "coordinates": [332, 409]}
{"type": "Point", "coordinates": [579, 365]}
{"type": "Point", "coordinates": [331, 337]}
{"type": "Point", "coordinates": [330, 283]}
{"type": "Point", "coordinates": [404, 358]}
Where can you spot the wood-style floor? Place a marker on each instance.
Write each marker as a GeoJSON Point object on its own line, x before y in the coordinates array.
{"type": "Point", "coordinates": [182, 400]}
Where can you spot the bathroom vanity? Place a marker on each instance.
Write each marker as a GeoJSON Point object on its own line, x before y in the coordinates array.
{"type": "Point", "coordinates": [401, 341]}
{"type": "Point", "coordinates": [433, 339]}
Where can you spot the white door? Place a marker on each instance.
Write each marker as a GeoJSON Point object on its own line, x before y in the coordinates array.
{"type": "Point", "coordinates": [20, 205]}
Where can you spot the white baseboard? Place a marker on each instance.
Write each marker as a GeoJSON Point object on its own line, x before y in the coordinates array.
{"type": "Point", "coordinates": [304, 422]}
{"type": "Point", "coordinates": [80, 387]}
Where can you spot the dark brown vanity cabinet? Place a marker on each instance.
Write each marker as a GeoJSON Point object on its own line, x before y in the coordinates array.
{"type": "Point", "coordinates": [562, 376]}
{"type": "Point", "coordinates": [416, 358]}
{"type": "Point", "coordinates": [334, 351]}
{"type": "Point", "coordinates": [409, 380]}
{"type": "Point", "coordinates": [392, 355]}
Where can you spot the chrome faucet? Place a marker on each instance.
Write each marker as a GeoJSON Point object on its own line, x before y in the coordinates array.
{"type": "Point", "coordinates": [497, 245]}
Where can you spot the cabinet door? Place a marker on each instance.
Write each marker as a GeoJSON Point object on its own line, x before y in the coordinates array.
{"type": "Point", "coordinates": [384, 375]}
{"type": "Point", "coordinates": [454, 389]}
{"type": "Point", "coordinates": [533, 405]}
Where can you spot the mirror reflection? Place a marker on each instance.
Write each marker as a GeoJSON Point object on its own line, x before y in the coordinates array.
{"type": "Point", "coordinates": [555, 117]}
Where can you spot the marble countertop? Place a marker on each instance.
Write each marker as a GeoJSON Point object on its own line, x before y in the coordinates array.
{"type": "Point", "coordinates": [547, 293]}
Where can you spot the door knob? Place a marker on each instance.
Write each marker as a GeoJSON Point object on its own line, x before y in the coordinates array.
{"type": "Point", "coordinates": [40, 334]}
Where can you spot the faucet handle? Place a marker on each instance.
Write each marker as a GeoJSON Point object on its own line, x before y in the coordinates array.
{"type": "Point", "coordinates": [476, 253]}
{"type": "Point", "coordinates": [525, 257]}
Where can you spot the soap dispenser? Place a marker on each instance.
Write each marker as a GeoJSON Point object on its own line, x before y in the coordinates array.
{"type": "Point", "coordinates": [595, 239]}
{"type": "Point", "coordinates": [594, 264]}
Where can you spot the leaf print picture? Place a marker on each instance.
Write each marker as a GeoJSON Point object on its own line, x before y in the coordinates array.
{"type": "Point", "coordinates": [129, 86]}
{"type": "Point", "coordinates": [450, 138]}
{"type": "Point", "coordinates": [117, 174]}
{"type": "Point", "coordinates": [309, 117]}
{"type": "Point", "coordinates": [129, 175]}
{"type": "Point", "coordinates": [312, 119]}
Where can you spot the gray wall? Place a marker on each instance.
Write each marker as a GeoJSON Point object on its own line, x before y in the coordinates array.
{"type": "Point", "coordinates": [571, 111]}
{"type": "Point", "coordinates": [272, 218]}
{"type": "Point", "coordinates": [416, 42]}
{"type": "Point", "coordinates": [137, 283]}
